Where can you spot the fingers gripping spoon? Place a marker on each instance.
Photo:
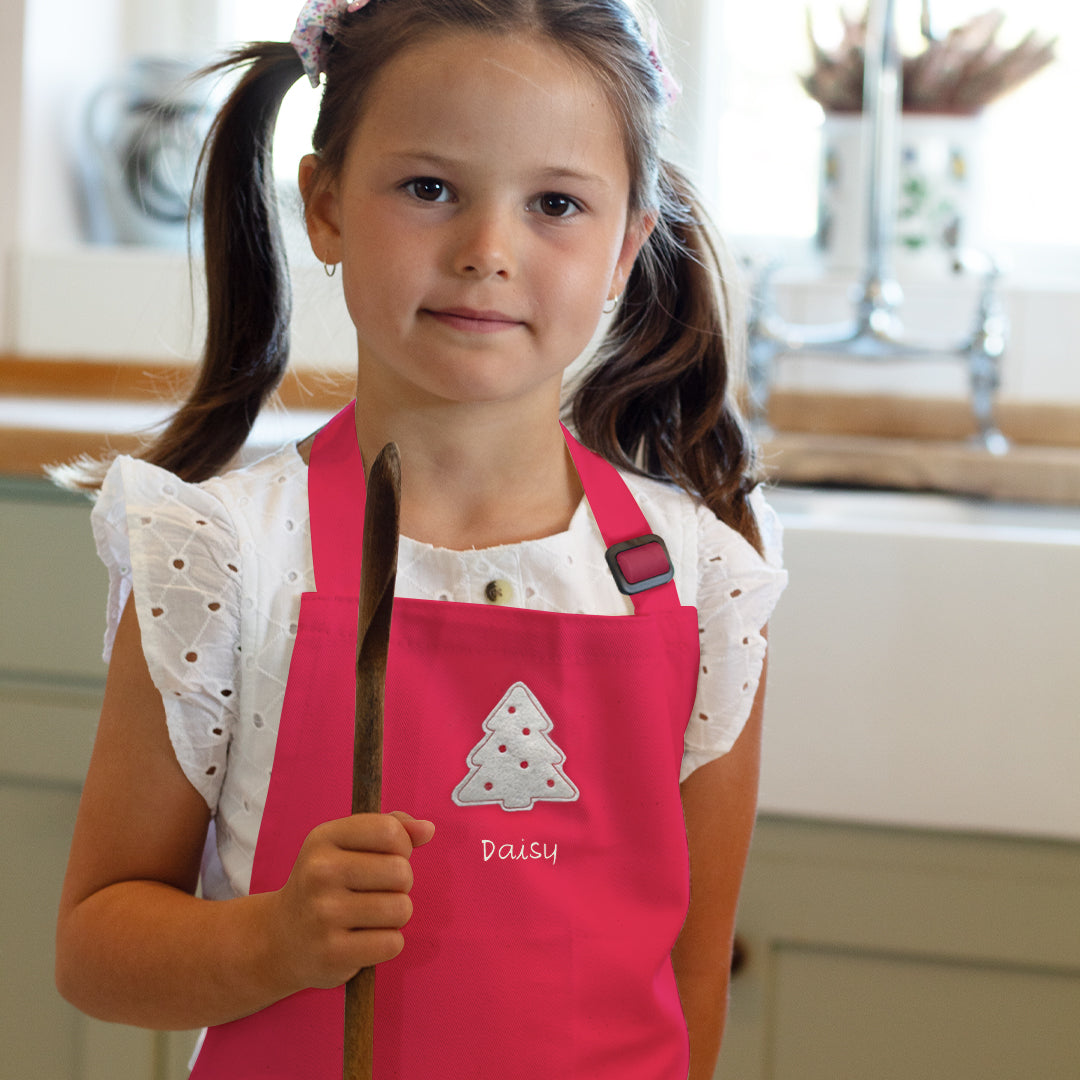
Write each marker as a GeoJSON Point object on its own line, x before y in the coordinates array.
{"type": "Point", "coordinates": [378, 571]}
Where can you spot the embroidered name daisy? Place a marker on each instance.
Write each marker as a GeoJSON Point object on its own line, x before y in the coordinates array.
{"type": "Point", "coordinates": [519, 851]}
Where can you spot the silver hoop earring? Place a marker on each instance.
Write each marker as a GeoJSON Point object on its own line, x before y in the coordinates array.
{"type": "Point", "coordinates": [329, 269]}
{"type": "Point", "coordinates": [614, 302]}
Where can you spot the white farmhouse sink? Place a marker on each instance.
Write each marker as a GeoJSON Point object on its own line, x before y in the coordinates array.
{"type": "Point", "coordinates": [925, 664]}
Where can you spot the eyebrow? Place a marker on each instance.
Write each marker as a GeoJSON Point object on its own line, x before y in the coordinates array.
{"type": "Point", "coordinates": [551, 174]}
{"type": "Point", "coordinates": [556, 173]}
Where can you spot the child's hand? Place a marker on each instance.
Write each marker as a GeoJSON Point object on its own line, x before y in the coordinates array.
{"type": "Point", "coordinates": [347, 898]}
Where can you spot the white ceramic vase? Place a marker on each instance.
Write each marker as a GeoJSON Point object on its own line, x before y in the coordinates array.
{"type": "Point", "coordinates": [938, 202]}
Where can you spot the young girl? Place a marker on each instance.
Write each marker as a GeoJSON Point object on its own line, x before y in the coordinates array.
{"type": "Point", "coordinates": [571, 739]}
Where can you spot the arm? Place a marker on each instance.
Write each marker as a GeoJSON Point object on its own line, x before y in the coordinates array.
{"type": "Point", "coordinates": [719, 803]}
{"type": "Point", "coordinates": [134, 945]}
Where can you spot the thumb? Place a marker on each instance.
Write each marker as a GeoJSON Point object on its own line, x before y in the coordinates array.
{"type": "Point", "coordinates": [419, 829]}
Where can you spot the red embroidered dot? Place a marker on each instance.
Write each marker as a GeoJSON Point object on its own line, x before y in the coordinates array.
{"type": "Point", "coordinates": [526, 731]}
{"type": "Point", "coordinates": [502, 749]}
{"type": "Point", "coordinates": [524, 764]}
{"type": "Point", "coordinates": [551, 783]}
{"type": "Point", "coordinates": [488, 786]}
{"type": "Point", "coordinates": [512, 708]}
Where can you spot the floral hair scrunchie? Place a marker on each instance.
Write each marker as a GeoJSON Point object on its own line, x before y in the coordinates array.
{"type": "Point", "coordinates": [318, 18]}
{"type": "Point", "coordinates": [671, 88]}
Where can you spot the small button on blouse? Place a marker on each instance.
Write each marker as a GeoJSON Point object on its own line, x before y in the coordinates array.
{"type": "Point", "coordinates": [498, 591]}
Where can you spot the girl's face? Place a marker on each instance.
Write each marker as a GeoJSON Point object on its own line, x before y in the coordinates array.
{"type": "Point", "coordinates": [481, 220]}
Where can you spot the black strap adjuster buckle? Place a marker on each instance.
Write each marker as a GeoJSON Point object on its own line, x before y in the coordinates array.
{"type": "Point", "coordinates": [640, 564]}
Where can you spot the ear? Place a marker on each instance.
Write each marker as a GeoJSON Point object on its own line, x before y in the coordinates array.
{"type": "Point", "coordinates": [638, 230]}
{"type": "Point", "coordinates": [320, 211]}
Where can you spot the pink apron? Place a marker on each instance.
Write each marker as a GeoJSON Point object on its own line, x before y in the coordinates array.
{"type": "Point", "coordinates": [546, 747]}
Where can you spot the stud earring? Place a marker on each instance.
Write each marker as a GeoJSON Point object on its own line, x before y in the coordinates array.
{"type": "Point", "coordinates": [329, 269]}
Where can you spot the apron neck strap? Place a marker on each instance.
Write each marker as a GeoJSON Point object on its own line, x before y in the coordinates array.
{"type": "Point", "coordinates": [336, 493]}
{"type": "Point", "coordinates": [621, 524]}
{"type": "Point", "coordinates": [337, 489]}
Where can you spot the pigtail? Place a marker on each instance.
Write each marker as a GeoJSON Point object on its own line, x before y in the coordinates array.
{"type": "Point", "coordinates": [659, 399]}
{"type": "Point", "coordinates": [248, 293]}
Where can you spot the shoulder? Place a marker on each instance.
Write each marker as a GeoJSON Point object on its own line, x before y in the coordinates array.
{"type": "Point", "coordinates": [136, 493]}
{"type": "Point", "coordinates": [150, 526]}
{"type": "Point", "coordinates": [152, 529]}
{"type": "Point", "coordinates": [132, 484]}
{"type": "Point", "coordinates": [267, 485]}
{"type": "Point", "coordinates": [733, 575]}
{"type": "Point", "coordinates": [139, 496]}
{"type": "Point", "coordinates": [695, 535]}
{"type": "Point", "coordinates": [668, 501]}
{"type": "Point", "coordinates": [672, 515]}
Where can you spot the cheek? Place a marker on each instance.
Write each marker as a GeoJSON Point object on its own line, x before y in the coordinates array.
{"type": "Point", "coordinates": [578, 295]}
{"type": "Point", "coordinates": [382, 267]}
{"type": "Point", "coordinates": [583, 272]}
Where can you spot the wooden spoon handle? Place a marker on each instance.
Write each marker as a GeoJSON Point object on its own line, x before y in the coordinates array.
{"type": "Point", "coordinates": [378, 571]}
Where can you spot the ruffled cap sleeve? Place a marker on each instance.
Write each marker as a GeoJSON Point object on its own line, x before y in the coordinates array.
{"type": "Point", "coordinates": [173, 546]}
{"type": "Point", "coordinates": [737, 592]}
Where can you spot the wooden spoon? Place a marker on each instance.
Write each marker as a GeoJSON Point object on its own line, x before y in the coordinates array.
{"type": "Point", "coordinates": [378, 571]}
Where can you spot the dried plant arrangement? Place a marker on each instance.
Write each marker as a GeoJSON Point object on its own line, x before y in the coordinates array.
{"type": "Point", "coordinates": [957, 74]}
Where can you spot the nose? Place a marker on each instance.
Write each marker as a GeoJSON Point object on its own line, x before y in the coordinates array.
{"type": "Point", "coordinates": [484, 245]}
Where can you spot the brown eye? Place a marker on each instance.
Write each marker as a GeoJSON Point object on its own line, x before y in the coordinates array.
{"type": "Point", "coordinates": [427, 188]}
{"type": "Point", "coordinates": [552, 204]}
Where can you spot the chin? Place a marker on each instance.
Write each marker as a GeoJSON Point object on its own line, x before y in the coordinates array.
{"type": "Point", "coordinates": [477, 386]}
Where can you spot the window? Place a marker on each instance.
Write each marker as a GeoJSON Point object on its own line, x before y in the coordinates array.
{"type": "Point", "coordinates": [765, 182]}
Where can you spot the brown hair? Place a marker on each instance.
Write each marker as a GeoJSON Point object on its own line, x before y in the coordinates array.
{"type": "Point", "coordinates": [659, 398]}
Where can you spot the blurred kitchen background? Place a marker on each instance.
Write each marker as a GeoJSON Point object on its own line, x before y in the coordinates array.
{"type": "Point", "coordinates": [910, 909]}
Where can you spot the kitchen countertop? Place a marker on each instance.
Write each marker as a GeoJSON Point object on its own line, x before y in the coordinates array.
{"type": "Point", "coordinates": [1026, 473]}
{"type": "Point", "coordinates": [54, 411]}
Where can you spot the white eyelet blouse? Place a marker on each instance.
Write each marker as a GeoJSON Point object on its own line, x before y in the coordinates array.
{"type": "Point", "coordinates": [217, 570]}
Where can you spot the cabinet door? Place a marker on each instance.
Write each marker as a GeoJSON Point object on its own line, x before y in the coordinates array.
{"type": "Point", "coordinates": [40, 1035]}
{"type": "Point", "coordinates": [897, 1017]}
{"type": "Point", "coordinates": [52, 599]}
{"type": "Point", "coordinates": [879, 954]}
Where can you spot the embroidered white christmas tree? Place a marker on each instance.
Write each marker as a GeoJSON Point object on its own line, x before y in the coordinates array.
{"type": "Point", "coordinates": [516, 763]}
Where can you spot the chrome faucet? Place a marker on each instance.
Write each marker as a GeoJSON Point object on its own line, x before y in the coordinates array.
{"type": "Point", "coordinates": [875, 331]}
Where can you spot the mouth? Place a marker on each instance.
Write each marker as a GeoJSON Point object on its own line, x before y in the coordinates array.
{"type": "Point", "coordinates": [473, 321]}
